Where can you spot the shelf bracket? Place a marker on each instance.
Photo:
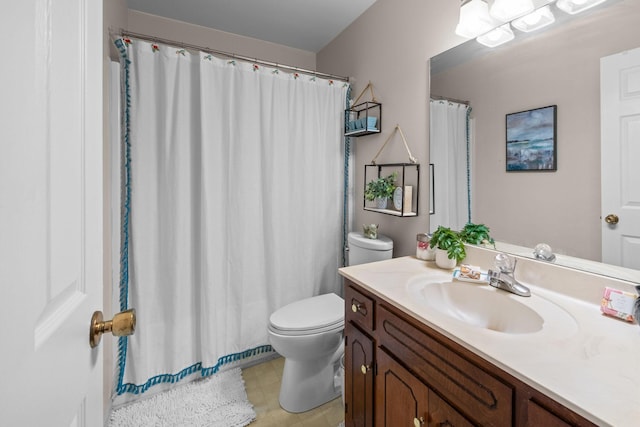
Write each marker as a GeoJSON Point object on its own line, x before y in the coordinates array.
{"type": "Point", "coordinates": [370, 87]}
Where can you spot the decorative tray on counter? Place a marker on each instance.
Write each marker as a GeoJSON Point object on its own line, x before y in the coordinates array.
{"type": "Point", "coordinates": [483, 278]}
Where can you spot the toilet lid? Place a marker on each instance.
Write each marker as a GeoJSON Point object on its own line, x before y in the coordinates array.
{"type": "Point", "coordinates": [382, 243]}
{"type": "Point", "coordinates": [319, 312]}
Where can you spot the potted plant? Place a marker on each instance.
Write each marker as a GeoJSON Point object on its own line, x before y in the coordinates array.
{"type": "Point", "coordinates": [449, 247]}
{"type": "Point", "coordinates": [380, 189]}
{"type": "Point", "coordinates": [476, 234]}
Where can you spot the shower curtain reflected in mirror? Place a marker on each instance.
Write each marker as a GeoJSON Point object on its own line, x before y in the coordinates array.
{"type": "Point", "coordinates": [232, 206]}
{"type": "Point", "coordinates": [450, 153]}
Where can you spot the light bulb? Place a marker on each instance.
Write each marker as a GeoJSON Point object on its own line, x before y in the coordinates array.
{"type": "Point", "coordinates": [496, 37]}
{"type": "Point", "coordinates": [506, 10]}
{"type": "Point", "coordinates": [532, 18]}
{"type": "Point", "coordinates": [474, 19]}
{"type": "Point", "coordinates": [576, 6]}
{"type": "Point", "coordinates": [535, 20]}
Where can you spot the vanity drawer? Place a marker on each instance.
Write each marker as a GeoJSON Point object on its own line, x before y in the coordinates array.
{"type": "Point", "coordinates": [482, 397]}
{"type": "Point", "coordinates": [359, 307]}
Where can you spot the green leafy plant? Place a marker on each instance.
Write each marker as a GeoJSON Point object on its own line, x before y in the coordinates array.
{"type": "Point", "coordinates": [381, 187]}
{"type": "Point", "coordinates": [448, 240]}
{"type": "Point", "coordinates": [476, 234]}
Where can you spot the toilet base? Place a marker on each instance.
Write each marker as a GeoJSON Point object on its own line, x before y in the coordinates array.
{"type": "Point", "coordinates": [307, 384]}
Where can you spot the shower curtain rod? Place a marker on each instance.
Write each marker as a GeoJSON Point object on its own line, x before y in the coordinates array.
{"type": "Point", "coordinates": [444, 98]}
{"type": "Point", "coordinates": [291, 68]}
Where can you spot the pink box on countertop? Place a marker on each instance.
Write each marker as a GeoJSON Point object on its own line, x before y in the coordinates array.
{"type": "Point", "coordinates": [618, 304]}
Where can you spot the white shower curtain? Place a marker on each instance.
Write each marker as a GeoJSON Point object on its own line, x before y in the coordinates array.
{"type": "Point", "coordinates": [449, 153]}
{"type": "Point", "coordinates": [234, 205]}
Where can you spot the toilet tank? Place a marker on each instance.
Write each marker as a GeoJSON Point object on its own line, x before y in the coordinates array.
{"type": "Point", "coordinates": [363, 249]}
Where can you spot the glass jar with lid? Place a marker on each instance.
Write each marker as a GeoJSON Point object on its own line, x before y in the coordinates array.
{"type": "Point", "coordinates": [423, 251]}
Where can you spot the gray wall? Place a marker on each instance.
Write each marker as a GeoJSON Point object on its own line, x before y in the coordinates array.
{"type": "Point", "coordinates": [390, 45]}
{"type": "Point", "coordinates": [144, 23]}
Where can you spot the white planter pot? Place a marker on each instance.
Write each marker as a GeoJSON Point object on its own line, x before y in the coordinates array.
{"type": "Point", "coordinates": [443, 260]}
{"type": "Point", "coordinates": [381, 202]}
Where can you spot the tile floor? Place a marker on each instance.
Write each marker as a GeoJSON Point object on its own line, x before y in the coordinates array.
{"type": "Point", "coordinates": [263, 386]}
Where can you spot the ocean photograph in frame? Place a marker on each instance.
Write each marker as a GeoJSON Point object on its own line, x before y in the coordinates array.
{"type": "Point", "coordinates": [532, 140]}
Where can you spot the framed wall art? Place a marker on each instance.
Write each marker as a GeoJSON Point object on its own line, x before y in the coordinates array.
{"type": "Point", "coordinates": [532, 140]}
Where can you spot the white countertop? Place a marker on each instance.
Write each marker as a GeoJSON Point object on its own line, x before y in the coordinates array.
{"type": "Point", "coordinates": [587, 361]}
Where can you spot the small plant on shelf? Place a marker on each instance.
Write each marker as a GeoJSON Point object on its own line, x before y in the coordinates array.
{"type": "Point", "coordinates": [381, 188]}
{"type": "Point", "coordinates": [450, 241]}
{"type": "Point", "coordinates": [477, 234]}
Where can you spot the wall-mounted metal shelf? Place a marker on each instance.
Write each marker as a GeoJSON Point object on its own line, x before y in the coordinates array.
{"type": "Point", "coordinates": [404, 202]}
{"type": "Point", "coordinates": [363, 119]}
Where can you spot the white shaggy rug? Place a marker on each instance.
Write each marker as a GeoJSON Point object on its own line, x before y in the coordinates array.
{"type": "Point", "coordinates": [218, 401]}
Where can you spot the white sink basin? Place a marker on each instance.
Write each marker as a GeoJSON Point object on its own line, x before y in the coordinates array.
{"type": "Point", "coordinates": [483, 306]}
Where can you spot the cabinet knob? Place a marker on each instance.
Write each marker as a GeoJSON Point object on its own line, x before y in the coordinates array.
{"type": "Point", "coordinates": [417, 422]}
{"type": "Point", "coordinates": [364, 369]}
{"type": "Point", "coordinates": [355, 307]}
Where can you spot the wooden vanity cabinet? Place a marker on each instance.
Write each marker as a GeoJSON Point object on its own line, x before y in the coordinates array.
{"type": "Point", "coordinates": [400, 372]}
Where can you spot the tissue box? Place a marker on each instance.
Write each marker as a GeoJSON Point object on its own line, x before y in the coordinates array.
{"type": "Point", "coordinates": [618, 304]}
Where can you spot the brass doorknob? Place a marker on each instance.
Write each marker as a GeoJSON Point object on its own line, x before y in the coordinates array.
{"type": "Point", "coordinates": [364, 369]}
{"type": "Point", "coordinates": [611, 219]}
{"type": "Point", "coordinates": [417, 422]}
{"type": "Point", "coordinates": [121, 325]}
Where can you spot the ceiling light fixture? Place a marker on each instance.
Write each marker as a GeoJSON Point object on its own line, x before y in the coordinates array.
{"type": "Point", "coordinates": [489, 21]}
{"type": "Point", "coordinates": [496, 37]}
{"type": "Point", "coordinates": [576, 6]}
{"type": "Point", "coordinates": [474, 19]}
{"type": "Point", "coordinates": [535, 20]}
{"type": "Point", "coordinates": [507, 10]}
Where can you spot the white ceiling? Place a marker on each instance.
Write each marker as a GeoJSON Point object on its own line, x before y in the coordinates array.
{"type": "Point", "coordinates": [304, 24]}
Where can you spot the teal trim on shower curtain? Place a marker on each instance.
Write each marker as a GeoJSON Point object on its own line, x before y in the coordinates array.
{"type": "Point", "coordinates": [345, 200]}
{"type": "Point", "coordinates": [468, 165]}
{"type": "Point", "coordinates": [126, 209]}
{"type": "Point", "coordinates": [196, 367]}
{"type": "Point", "coordinates": [122, 387]}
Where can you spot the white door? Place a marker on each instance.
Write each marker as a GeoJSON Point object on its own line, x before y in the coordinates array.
{"type": "Point", "coordinates": [50, 212]}
{"type": "Point", "coordinates": [620, 144]}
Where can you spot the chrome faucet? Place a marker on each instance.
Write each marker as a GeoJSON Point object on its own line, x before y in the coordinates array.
{"type": "Point", "coordinates": [504, 278]}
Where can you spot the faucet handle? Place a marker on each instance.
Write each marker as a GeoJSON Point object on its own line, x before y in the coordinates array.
{"type": "Point", "coordinates": [505, 263]}
{"type": "Point", "coordinates": [493, 274]}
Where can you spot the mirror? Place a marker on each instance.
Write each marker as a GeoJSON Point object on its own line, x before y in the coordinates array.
{"type": "Point", "coordinates": [560, 66]}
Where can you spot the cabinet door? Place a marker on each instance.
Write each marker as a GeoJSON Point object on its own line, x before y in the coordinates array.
{"type": "Point", "coordinates": [401, 399]}
{"type": "Point", "coordinates": [539, 416]}
{"type": "Point", "coordinates": [358, 391]}
{"type": "Point", "coordinates": [443, 415]}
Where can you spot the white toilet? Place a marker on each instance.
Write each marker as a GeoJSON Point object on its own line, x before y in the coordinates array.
{"type": "Point", "coordinates": [309, 335]}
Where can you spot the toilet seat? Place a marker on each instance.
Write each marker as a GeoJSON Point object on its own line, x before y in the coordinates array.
{"type": "Point", "coordinates": [309, 316]}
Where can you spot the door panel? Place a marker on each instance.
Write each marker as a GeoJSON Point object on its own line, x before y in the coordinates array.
{"type": "Point", "coordinates": [620, 139]}
{"type": "Point", "coordinates": [51, 213]}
